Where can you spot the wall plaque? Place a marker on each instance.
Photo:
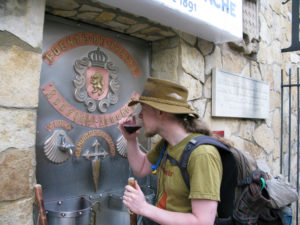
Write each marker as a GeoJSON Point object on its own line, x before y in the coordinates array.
{"type": "Point", "coordinates": [238, 96]}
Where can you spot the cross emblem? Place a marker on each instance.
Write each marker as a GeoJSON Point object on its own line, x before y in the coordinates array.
{"type": "Point", "coordinates": [96, 153]}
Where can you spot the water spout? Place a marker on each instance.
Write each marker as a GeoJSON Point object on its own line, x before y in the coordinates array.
{"type": "Point", "coordinates": [65, 147]}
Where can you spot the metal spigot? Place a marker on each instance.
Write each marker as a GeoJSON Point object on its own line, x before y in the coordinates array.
{"type": "Point", "coordinates": [65, 147]}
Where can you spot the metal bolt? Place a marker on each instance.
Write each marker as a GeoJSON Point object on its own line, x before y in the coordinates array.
{"type": "Point", "coordinates": [63, 214]}
{"type": "Point", "coordinates": [59, 203]}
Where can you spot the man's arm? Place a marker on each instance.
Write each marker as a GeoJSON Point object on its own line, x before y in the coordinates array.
{"type": "Point", "coordinates": [203, 211]}
{"type": "Point", "coordinates": [138, 160]}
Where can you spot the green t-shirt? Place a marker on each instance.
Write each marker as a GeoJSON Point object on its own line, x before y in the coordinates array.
{"type": "Point", "coordinates": [204, 169]}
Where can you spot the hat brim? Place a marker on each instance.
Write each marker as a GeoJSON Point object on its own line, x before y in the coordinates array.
{"type": "Point", "coordinates": [175, 109]}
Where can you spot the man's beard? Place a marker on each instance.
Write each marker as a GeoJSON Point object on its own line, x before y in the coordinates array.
{"type": "Point", "coordinates": [149, 134]}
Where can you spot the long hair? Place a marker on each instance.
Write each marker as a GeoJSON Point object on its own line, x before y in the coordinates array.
{"type": "Point", "coordinates": [195, 125]}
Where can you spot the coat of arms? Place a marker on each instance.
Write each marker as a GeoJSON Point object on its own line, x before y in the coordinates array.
{"type": "Point", "coordinates": [96, 83]}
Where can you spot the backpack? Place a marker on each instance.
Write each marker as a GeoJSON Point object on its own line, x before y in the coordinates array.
{"type": "Point", "coordinates": [243, 195]}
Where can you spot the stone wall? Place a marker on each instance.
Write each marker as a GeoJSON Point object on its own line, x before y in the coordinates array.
{"type": "Point", "coordinates": [175, 55]}
{"type": "Point", "coordinates": [21, 31]}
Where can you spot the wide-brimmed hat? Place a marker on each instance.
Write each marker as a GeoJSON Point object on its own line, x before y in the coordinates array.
{"type": "Point", "coordinates": [166, 96]}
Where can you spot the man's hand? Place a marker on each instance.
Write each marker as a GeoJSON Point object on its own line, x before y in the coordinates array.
{"type": "Point", "coordinates": [134, 199]}
{"type": "Point", "coordinates": [131, 120]}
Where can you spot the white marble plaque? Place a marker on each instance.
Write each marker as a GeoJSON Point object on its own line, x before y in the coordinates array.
{"type": "Point", "coordinates": [238, 96]}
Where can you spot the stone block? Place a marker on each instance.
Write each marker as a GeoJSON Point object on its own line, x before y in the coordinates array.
{"type": "Point", "coordinates": [213, 60]}
{"type": "Point", "coordinates": [200, 106]}
{"type": "Point", "coordinates": [190, 39]}
{"type": "Point", "coordinates": [17, 213]}
{"type": "Point", "coordinates": [294, 58]}
{"type": "Point", "coordinates": [88, 8]}
{"type": "Point", "coordinates": [275, 52]}
{"type": "Point", "coordinates": [17, 129]}
{"type": "Point", "coordinates": [116, 26]}
{"type": "Point", "coordinates": [155, 31]}
{"type": "Point", "coordinates": [276, 151]}
{"type": "Point", "coordinates": [192, 61]}
{"type": "Point", "coordinates": [193, 85]}
{"type": "Point", "coordinates": [16, 174]}
{"type": "Point", "coordinates": [276, 28]}
{"type": "Point", "coordinates": [105, 16]}
{"type": "Point", "coordinates": [276, 6]}
{"type": "Point", "coordinates": [232, 61]}
{"type": "Point", "coordinates": [294, 128]}
{"type": "Point", "coordinates": [264, 137]}
{"type": "Point", "coordinates": [247, 147]}
{"type": "Point", "coordinates": [255, 70]}
{"type": "Point", "coordinates": [246, 70]}
{"type": "Point", "coordinates": [126, 20]}
{"type": "Point", "coordinates": [88, 16]}
{"type": "Point", "coordinates": [207, 88]}
{"type": "Point", "coordinates": [276, 125]}
{"type": "Point", "coordinates": [264, 54]}
{"type": "Point", "coordinates": [286, 33]}
{"type": "Point", "coordinates": [152, 37]}
{"type": "Point", "coordinates": [205, 47]}
{"type": "Point", "coordinates": [207, 115]}
{"type": "Point", "coordinates": [276, 168]}
{"type": "Point", "coordinates": [166, 43]}
{"type": "Point", "coordinates": [267, 76]}
{"type": "Point", "coordinates": [19, 75]}
{"type": "Point", "coordinates": [165, 64]}
{"type": "Point", "coordinates": [247, 129]}
{"type": "Point", "coordinates": [165, 75]}
{"type": "Point", "coordinates": [137, 27]}
{"type": "Point", "coordinates": [65, 13]}
{"type": "Point", "coordinates": [275, 100]}
{"type": "Point", "coordinates": [286, 9]}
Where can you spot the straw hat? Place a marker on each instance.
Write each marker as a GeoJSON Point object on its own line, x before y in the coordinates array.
{"type": "Point", "coordinates": [165, 96]}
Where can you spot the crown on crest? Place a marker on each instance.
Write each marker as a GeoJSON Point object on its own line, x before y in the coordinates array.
{"type": "Point", "coordinates": [98, 58]}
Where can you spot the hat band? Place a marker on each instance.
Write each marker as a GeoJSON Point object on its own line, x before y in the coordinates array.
{"type": "Point", "coordinates": [159, 100]}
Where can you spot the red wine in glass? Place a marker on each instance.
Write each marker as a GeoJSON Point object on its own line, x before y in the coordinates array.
{"type": "Point", "coordinates": [131, 128]}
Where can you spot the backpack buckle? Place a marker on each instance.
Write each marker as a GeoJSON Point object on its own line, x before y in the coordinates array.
{"type": "Point", "coordinates": [193, 141]}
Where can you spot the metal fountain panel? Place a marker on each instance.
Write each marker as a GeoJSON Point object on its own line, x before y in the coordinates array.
{"type": "Point", "coordinates": [88, 77]}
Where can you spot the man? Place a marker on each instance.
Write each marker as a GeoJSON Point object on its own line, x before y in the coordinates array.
{"type": "Point", "coordinates": [165, 111]}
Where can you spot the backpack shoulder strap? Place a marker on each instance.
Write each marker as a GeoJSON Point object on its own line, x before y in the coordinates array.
{"type": "Point", "coordinates": [229, 177]}
{"type": "Point", "coordinates": [189, 148]}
